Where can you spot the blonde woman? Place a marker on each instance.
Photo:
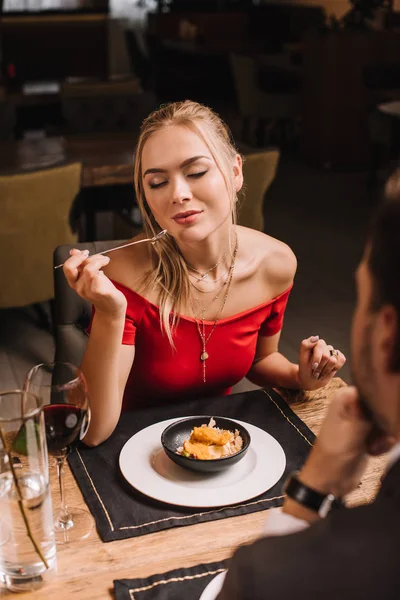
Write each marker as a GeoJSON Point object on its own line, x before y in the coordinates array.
{"type": "Point", "coordinates": [203, 307]}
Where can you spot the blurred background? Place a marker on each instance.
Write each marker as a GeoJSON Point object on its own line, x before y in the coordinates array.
{"type": "Point", "coordinates": [309, 88]}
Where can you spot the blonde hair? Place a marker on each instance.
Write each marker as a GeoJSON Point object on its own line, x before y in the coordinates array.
{"type": "Point", "coordinates": [170, 272]}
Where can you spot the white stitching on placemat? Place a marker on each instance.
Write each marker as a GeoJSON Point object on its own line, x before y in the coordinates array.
{"type": "Point", "coordinates": [287, 419]}
{"type": "Point", "coordinates": [95, 491]}
{"type": "Point", "coordinates": [207, 512]}
{"type": "Point", "coordinates": [172, 580]}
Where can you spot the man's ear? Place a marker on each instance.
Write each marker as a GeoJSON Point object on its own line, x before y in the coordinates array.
{"type": "Point", "coordinates": [387, 338]}
{"type": "Point", "coordinates": [238, 173]}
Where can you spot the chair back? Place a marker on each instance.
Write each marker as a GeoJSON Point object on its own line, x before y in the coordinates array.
{"type": "Point", "coordinates": [35, 210]}
{"type": "Point", "coordinates": [259, 171]}
{"type": "Point", "coordinates": [71, 312]}
{"type": "Point", "coordinates": [279, 99]}
{"type": "Point", "coordinates": [244, 78]}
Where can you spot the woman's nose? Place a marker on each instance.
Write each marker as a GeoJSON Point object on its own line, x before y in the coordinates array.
{"type": "Point", "coordinates": [181, 191]}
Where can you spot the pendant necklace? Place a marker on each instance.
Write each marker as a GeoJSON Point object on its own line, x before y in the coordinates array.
{"type": "Point", "coordinates": [200, 325]}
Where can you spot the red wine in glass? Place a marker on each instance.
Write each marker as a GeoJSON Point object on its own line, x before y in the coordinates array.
{"type": "Point", "coordinates": [64, 399]}
{"type": "Point", "coordinates": [64, 424]}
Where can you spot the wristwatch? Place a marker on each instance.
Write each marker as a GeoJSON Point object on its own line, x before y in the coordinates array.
{"type": "Point", "coordinates": [310, 498]}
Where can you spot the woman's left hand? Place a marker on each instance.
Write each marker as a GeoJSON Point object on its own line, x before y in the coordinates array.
{"type": "Point", "coordinates": [318, 363]}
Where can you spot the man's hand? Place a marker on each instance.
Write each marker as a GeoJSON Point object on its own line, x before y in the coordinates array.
{"type": "Point", "coordinates": [340, 454]}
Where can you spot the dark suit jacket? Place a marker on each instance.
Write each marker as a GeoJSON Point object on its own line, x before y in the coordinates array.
{"type": "Point", "coordinates": [352, 554]}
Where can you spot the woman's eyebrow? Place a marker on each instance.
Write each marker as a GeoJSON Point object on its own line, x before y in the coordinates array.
{"type": "Point", "coordinates": [185, 163]}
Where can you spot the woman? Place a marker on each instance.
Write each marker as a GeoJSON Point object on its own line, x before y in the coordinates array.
{"type": "Point", "coordinates": [203, 306]}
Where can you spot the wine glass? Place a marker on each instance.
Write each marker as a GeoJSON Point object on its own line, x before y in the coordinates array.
{"type": "Point", "coordinates": [63, 393]}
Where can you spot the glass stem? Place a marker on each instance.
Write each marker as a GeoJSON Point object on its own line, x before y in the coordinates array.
{"type": "Point", "coordinates": [64, 517]}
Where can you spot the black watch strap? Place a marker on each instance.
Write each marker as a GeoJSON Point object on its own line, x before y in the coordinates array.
{"type": "Point", "coordinates": [310, 498]}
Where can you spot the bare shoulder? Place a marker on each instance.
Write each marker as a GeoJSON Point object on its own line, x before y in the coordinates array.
{"type": "Point", "coordinates": [275, 260]}
{"type": "Point", "coordinates": [129, 265]}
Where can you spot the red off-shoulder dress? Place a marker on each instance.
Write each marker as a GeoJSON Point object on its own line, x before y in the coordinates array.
{"type": "Point", "coordinates": [160, 372]}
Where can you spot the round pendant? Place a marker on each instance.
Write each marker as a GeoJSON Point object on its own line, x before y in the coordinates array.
{"type": "Point", "coordinates": [204, 356]}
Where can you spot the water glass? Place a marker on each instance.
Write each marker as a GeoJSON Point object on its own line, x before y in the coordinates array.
{"type": "Point", "coordinates": [27, 542]}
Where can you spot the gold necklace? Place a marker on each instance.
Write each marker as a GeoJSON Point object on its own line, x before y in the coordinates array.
{"type": "Point", "coordinates": [213, 280]}
{"type": "Point", "coordinates": [205, 274]}
{"type": "Point", "coordinates": [203, 309]}
{"type": "Point", "coordinates": [204, 340]}
{"type": "Point", "coordinates": [208, 291]}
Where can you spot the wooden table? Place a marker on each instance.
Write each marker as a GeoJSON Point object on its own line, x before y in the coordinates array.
{"type": "Point", "coordinates": [86, 569]}
{"type": "Point", "coordinates": [107, 159]}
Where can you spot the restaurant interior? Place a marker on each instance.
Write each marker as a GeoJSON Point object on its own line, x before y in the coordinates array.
{"type": "Point", "coordinates": [311, 92]}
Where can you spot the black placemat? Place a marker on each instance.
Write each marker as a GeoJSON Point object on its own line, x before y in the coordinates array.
{"type": "Point", "coordinates": [122, 512]}
{"type": "Point", "coordinates": [179, 584]}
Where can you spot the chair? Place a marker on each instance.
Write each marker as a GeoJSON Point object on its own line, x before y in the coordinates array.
{"type": "Point", "coordinates": [255, 105]}
{"type": "Point", "coordinates": [259, 171]}
{"type": "Point", "coordinates": [71, 312]}
{"type": "Point", "coordinates": [35, 211]}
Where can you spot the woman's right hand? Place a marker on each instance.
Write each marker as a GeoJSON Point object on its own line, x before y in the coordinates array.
{"type": "Point", "coordinates": [85, 275]}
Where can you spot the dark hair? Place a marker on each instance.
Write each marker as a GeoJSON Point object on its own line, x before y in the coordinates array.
{"type": "Point", "coordinates": [384, 255]}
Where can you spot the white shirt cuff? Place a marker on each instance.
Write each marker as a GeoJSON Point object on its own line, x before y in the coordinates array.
{"type": "Point", "coordinates": [280, 523]}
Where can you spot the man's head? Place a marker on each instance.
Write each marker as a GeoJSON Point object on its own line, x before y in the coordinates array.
{"type": "Point", "coordinates": [376, 322]}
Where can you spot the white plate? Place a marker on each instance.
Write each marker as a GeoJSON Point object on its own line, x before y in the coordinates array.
{"type": "Point", "coordinates": [145, 465]}
{"type": "Point", "coordinates": [214, 587]}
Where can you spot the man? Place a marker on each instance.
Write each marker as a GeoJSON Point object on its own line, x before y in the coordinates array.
{"type": "Point", "coordinates": [349, 553]}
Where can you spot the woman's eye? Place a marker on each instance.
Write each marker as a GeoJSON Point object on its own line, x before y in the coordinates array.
{"type": "Point", "coordinates": [154, 186]}
{"type": "Point", "coordinates": [197, 175]}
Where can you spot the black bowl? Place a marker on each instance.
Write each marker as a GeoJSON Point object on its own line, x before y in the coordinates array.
{"type": "Point", "coordinates": [175, 434]}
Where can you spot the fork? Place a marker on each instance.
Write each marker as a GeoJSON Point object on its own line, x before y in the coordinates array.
{"type": "Point", "coordinates": [152, 240]}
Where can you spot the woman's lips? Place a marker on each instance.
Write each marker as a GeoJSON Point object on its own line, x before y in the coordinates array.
{"type": "Point", "coordinates": [187, 218]}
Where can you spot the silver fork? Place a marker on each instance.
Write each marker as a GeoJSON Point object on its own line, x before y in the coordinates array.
{"type": "Point", "coordinates": [152, 240]}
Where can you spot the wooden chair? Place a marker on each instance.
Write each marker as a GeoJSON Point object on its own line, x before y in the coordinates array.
{"type": "Point", "coordinates": [257, 107]}
{"type": "Point", "coordinates": [35, 210]}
